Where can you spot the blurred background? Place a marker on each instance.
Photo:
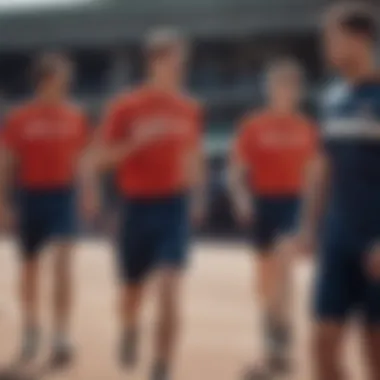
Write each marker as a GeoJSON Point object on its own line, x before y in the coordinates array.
{"type": "Point", "coordinates": [232, 41]}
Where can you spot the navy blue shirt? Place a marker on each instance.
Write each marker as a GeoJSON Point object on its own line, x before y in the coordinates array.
{"type": "Point", "coordinates": [351, 133]}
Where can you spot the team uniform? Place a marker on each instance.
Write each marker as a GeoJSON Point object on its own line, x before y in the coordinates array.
{"type": "Point", "coordinates": [351, 131]}
{"type": "Point", "coordinates": [47, 141]}
{"type": "Point", "coordinates": [276, 149]}
{"type": "Point", "coordinates": [153, 181]}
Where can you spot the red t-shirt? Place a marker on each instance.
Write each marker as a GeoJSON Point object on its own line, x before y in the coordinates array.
{"type": "Point", "coordinates": [157, 168]}
{"type": "Point", "coordinates": [276, 149]}
{"type": "Point", "coordinates": [47, 141]}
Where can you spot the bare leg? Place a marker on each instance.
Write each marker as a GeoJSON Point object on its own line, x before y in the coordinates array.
{"type": "Point", "coordinates": [372, 351]}
{"type": "Point", "coordinates": [327, 351]}
{"type": "Point", "coordinates": [271, 288]}
{"type": "Point", "coordinates": [130, 307]}
{"type": "Point", "coordinates": [63, 288]}
{"type": "Point", "coordinates": [29, 304]}
{"type": "Point", "coordinates": [62, 303]}
{"type": "Point", "coordinates": [281, 305]}
{"type": "Point", "coordinates": [131, 300]}
{"type": "Point", "coordinates": [29, 291]}
{"type": "Point", "coordinates": [267, 287]}
{"type": "Point", "coordinates": [279, 313]}
{"type": "Point", "coordinates": [267, 270]}
{"type": "Point", "coordinates": [168, 319]}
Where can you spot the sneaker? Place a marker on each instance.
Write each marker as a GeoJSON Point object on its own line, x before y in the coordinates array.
{"type": "Point", "coordinates": [257, 374]}
{"type": "Point", "coordinates": [62, 355]}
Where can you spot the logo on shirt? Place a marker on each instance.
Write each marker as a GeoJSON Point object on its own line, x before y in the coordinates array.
{"type": "Point", "coordinates": [337, 94]}
{"type": "Point", "coordinates": [46, 130]}
{"type": "Point", "coordinates": [358, 127]}
{"type": "Point", "coordinates": [282, 140]}
{"type": "Point", "coordinates": [161, 127]}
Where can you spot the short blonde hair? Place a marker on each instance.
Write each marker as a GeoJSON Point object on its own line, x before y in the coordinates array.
{"type": "Point", "coordinates": [285, 65]}
{"type": "Point", "coordinates": [160, 41]}
{"type": "Point", "coordinates": [47, 64]}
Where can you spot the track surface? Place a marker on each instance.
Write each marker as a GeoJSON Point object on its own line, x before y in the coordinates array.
{"type": "Point", "coordinates": [219, 328]}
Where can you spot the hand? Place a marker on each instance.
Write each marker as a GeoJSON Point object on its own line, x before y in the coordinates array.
{"type": "Point", "coordinates": [373, 262]}
{"type": "Point", "coordinates": [90, 204]}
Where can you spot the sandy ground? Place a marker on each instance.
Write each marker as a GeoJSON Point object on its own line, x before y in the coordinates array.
{"type": "Point", "coordinates": [219, 335]}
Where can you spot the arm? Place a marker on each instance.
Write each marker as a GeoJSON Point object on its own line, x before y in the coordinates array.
{"type": "Point", "coordinates": [111, 143]}
{"type": "Point", "coordinates": [7, 164]}
{"type": "Point", "coordinates": [238, 189]}
{"type": "Point", "coordinates": [103, 150]}
{"type": "Point", "coordinates": [237, 169]}
{"type": "Point", "coordinates": [316, 192]}
{"type": "Point", "coordinates": [110, 146]}
{"type": "Point", "coordinates": [100, 156]}
{"type": "Point", "coordinates": [198, 184]}
{"type": "Point", "coordinates": [197, 168]}
{"type": "Point", "coordinates": [97, 158]}
{"type": "Point", "coordinates": [8, 160]}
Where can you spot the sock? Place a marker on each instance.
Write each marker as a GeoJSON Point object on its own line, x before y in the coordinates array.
{"type": "Point", "coordinates": [130, 334]}
{"type": "Point", "coordinates": [31, 337]}
{"type": "Point", "coordinates": [31, 331]}
{"type": "Point", "coordinates": [61, 340]}
{"type": "Point", "coordinates": [277, 334]}
{"type": "Point", "coordinates": [160, 370]}
{"type": "Point", "coordinates": [128, 346]}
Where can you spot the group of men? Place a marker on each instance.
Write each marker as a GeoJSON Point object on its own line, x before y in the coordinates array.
{"type": "Point", "coordinates": [298, 187]}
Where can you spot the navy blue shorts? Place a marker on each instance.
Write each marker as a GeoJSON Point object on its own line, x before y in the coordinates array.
{"type": "Point", "coordinates": [153, 233]}
{"type": "Point", "coordinates": [273, 217]}
{"type": "Point", "coordinates": [45, 216]}
{"type": "Point", "coordinates": [343, 286]}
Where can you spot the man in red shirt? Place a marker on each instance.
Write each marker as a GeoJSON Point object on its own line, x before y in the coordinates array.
{"type": "Point", "coordinates": [152, 135]}
{"type": "Point", "coordinates": [42, 141]}
{"type": "Point", "coordinates": [272, 149]}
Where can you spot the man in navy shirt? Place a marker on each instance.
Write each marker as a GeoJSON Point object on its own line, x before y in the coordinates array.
{"type": "Point", "coordinates": [343, 198]}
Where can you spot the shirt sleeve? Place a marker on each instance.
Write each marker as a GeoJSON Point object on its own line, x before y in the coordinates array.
{"type": "Point", "coordinates": [113, 126]}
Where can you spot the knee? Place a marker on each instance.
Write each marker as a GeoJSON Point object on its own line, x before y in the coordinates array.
{"type": "Point", "coordinates": [267, 274]}
{"type": "Point", "coordinates": [132, 295]}
{"type": "Point", "coordinates": [62, 270]}
{"type": "Point", "coordinates": [63, 261]}
{"type": "Point", "coordinates": [284, 250]}
{"type": "Point", "coordinates": [30, 269]}
{"type": "Point", "coordinates": [168, 294]}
